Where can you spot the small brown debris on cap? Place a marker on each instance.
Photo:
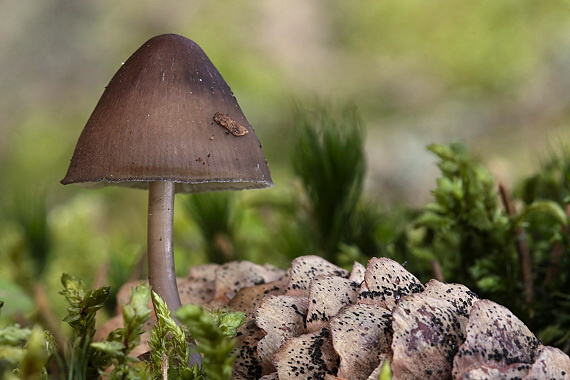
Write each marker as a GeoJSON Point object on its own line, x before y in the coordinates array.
{"type": "Point", "coordinates": [305, 268]}
{"type": "Point", "coordinates": [230, 124]}
{"type": "Point", "coordinates": [282, 318]}
{"type": "Point", "coordinates": [386, 282]}
{"type": "Point", "coordinates": [428, 328]}
{"type": "Point", "coordinates": [327, 295]}
{"type": "Point", "coordinates": [309, 356]}
{"type": "Point", "coordinates": [233, 276]}
{"type": "Point", "coordinates": [494, 337]}
{"type": "Point", "coordinates": [361, 336]}
{"type": "Point", "coordinates": [550, 363]}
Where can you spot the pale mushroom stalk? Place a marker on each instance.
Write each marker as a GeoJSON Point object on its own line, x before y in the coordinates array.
{"type": "Point", "coordinates": [161, 272]}
{"type": "Point", "coordinates": [161, 268]}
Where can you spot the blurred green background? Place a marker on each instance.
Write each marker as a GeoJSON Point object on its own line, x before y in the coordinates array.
{"type": "Point", "coordinates": [493, 74]}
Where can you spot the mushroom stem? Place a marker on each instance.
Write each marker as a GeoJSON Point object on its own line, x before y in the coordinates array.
{"type": "Point", "coordinates": [161, 273]}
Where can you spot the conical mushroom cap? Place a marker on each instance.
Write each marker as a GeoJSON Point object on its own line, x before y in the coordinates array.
{"type": "Point", "coordinates": [168, 115]}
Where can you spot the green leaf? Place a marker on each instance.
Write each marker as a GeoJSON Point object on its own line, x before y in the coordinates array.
{"type": "Point", "coordinates": [386, 372]}
{"type": "Point", "coordinates": [230, 322]}
{"type": "Point", "coordinates": [433, 220]}
{"type": "Point", "coordinates": [489, 283]}
{"type": "Point", "coordinates": [444, 152]}
{"type": "Point", "coordinates": [121, 341]}
{"type": "Point", "coordinates": [544, 207]}
{"type": "Point", "coordinates": [73, 289]}
{"type": "Point", "coordinates": [115, 349]}
{"type": "Point", "coordinates": [32, 365]}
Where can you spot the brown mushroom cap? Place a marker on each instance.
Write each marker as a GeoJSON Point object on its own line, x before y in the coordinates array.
{"type": "Point", "coordinates": [168, 115]}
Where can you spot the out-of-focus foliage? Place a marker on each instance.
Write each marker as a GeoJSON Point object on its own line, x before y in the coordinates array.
{"type": "Point", "coordinates": [475, 45]}
{"type": "Point", "coordinates": [31, 214]}
{"type": "Point", "coordinates": [37, 351]}
{"type": "Point", "coordinates": [24, 353]}
{"type": "Point", "coordinates": [213, 215]}
{"type": "Point", "coordinates": [551, 182]}
{"type": "Point", "coordinates": [465, 228]}
{"type": "Point", "coordinates": [12, 293]}
{"type": "Point", "coordinates": [329, 160]}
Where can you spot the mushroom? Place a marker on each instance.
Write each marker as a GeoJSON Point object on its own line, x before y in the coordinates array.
{"type": "Point", "coordinates": [169, 123]}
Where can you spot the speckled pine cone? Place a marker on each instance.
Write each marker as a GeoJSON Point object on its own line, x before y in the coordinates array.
{"type": "Point", "coordinates": [319, 321]}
